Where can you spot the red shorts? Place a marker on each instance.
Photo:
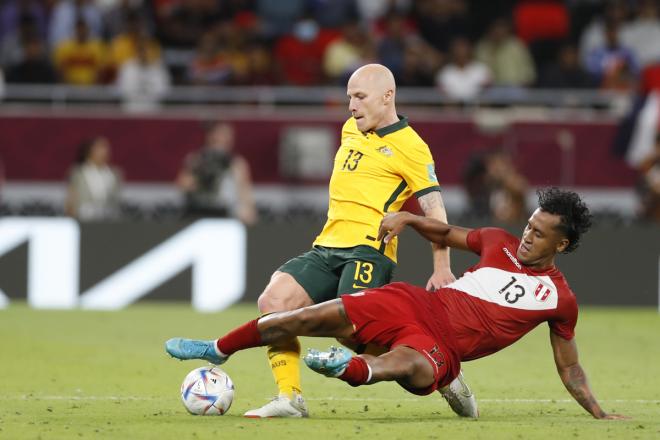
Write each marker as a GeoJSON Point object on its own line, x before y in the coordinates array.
{"type": "Point", "coordinates": [401, 314]}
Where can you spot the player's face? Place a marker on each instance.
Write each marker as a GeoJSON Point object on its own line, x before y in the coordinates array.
{"type": "Point", "coordinates": [541, 240]}
{"type": "Point", "coordinates": [366, 105]}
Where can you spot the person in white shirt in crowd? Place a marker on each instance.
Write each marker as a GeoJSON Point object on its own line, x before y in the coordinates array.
{"type": "Point", "coordinates": [463, 78]}
{"type": "Point", "coordinates": [94, 185]}
{"type": "Point", "coordinates": [642, 35]}
{"type": "Point", "coordinates": [143, 81]}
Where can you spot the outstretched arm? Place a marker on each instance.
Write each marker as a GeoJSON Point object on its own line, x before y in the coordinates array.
{"type": "Point", "coordinates": [433, 230]}
{"type": "Point", "coordinates": [574, 377]}
{"type": "Point", "coordinates": [434, 208]}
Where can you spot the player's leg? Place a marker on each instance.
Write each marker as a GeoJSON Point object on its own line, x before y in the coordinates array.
{"type": "Point", "coordinates": [300, 282]}
{"type": "Point", "coordinates": [321, 320]}
{"type": "Point", "coordinates": [402, 364]}
{"type": "Point", "coordinates": [284, 293]}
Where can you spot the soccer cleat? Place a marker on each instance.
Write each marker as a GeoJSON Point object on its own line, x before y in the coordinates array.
{"type": "Point", "coordinates": [460, 398]}
{"type": "Point", "coordinates": [281, 406]}
{"type": "Point", "coordinates": [329, 363]}
{"type": "Point", "coordinates": [185, 349]}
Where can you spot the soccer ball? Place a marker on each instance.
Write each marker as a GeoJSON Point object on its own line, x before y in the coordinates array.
{"type": "Point", "coordinates": [207, 391]}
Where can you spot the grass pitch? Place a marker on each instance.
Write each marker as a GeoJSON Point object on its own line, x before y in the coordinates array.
{"type": "Point", "coordinates": [75, 374]}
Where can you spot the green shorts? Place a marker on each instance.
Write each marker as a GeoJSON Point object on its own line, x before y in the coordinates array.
{"type": "Point", "coordinates": [325, 273]}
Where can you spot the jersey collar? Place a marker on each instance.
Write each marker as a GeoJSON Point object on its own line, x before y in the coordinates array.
{"type": "Point", "coordinates": [403, 123]}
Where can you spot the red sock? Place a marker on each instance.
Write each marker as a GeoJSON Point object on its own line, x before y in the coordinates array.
{"type": "Point", "coordinates": [245, 336]}
{"type": "Point", "coordinates": [357, 372]}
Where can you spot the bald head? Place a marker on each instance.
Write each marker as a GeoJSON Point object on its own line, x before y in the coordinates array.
{"type": "Point", "coordinates": [375, 76]}
{"type": "Point", "coordinates": [371, 90]}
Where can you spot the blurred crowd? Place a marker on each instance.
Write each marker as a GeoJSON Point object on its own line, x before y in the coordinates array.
{"type": "Point", "coordinates": [460, 46]}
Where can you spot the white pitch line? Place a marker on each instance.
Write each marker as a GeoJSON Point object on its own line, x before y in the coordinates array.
{"type": "Point", "coordinates": [375, 399]}
{"type": "Point", "coordinates": [336, 399]}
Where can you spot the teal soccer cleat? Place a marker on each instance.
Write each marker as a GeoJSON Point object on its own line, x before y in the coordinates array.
{"type": "Point", "coordinates": [329, 363]}
{"type": "Point", "coordinates": [185, 349]}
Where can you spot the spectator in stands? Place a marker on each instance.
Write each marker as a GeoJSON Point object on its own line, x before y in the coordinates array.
{"type": "Point", "coordinates": [421, 62]}
{"type": "Point", "coordinates": [495, 188]}
{"type": "Point", "coordinates": [475, 183]}
{"type": "Point", "coordinates": [13, 12]}
{"type": "Point", "coordinates": [216, 181]}
{"type": "Point", "coordinates": [506, 56]}
{"type": "Point", "coordinates": [543, 25]}
{"type": "Point", "coordinates": [221, 56]}
{"type": "Point", "coordinates": [118, 13]}
{"type": "Point", "coordinates": [616, 12]}
{"type": "Point", "coordinates": [81, 60]}
{"type": "Point", "coordinates": [278, 17]}
{"type": "Point", "coordinates": [649, 185]}
{"type": "Point", "coordinates": [333, 14]}
{"type": "Point", "coordinates": [614, 66]}
{"type": "Point", "coordinates": [441, 21]}
{"type": "Point", "coordinates": [463, 78]}
{"type": "Point", "coordinates": [65, 16]}
{"type": "Point", "coordinates": [35, 67]}
{"type": "Point", "coordinates": [642, 35]}
{"type": "Point", "coordinates": [11, 45]}
{"type": "Point", "coordinates": [345, 54]}
{"type": "Point", "coordinates": [210, 65]}
{"type": "Point", "coordinates": [566, 72]}
{"type": "Point", "coordinates": [508, 188]}
{"type": "Point", "coordinates": [234, 37]}
{"type": "Point", "coordinates": [260, 63]}
{"type": "Point", "coordinates": [372, 10]}
{"type": "Point", "coordinates": [94, 185]}
{"type": "Point", "coordinates": [187, 21]}
{"type": "Point", "coordinates": [300, 53]}
{"type": "Point", "coordinates": [391, 48]}
{"type": "Point", "coordinates": [124, 46]}
{"type": "Point", "coordinates": [143, 81]}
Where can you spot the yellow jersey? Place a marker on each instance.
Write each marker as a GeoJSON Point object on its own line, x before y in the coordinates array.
{"type": "Point", "coordinates": [374, 173]}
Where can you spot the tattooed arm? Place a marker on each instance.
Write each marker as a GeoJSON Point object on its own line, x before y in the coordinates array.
{"type": "Point", "coordinates": [574, 377]}
{"type": "Point", "coordinates": [434, 207]}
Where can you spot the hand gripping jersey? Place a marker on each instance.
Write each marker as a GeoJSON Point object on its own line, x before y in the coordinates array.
{"type": "Point", "coordinates": [499, 300]}
{"type": "Point", "coordinates": [374, 173]}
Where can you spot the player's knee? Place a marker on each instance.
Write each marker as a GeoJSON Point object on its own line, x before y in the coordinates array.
{"type": "Point", "coordinates": [282, 293]}
{"type": "Point", "coordinates": [267, 303]}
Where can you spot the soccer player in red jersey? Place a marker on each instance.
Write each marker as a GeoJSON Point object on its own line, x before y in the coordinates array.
{"type": "Point", "coordinates": [514, 287]}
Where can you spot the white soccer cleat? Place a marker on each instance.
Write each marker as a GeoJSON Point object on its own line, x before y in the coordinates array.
{"type": "Point", "coordinates": [460, 398]}
{"type": "Point", "coordinates": [281, 406]}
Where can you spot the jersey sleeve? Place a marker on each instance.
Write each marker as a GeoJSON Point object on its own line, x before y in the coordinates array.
{"type": "Point", "coordinates": [417, 168]}
{"type": "Point", "coordinates": [480, 239]}
{"type": "Point", "coordinates": [564, 324]}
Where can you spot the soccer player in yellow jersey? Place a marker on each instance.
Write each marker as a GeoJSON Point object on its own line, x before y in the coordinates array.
{"type": "Point", "coordinates": [381, 163]}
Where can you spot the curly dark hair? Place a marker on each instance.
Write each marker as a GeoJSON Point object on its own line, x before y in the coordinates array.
{"type": "Point", "coordinates": [574, 213]}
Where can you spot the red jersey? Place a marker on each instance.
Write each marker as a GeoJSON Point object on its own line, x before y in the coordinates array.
{"type": "Point", "coordinates": [498, 301]}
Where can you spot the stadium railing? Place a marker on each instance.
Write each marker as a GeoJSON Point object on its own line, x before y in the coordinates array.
{"type": "Point", "coordinates": [62, 95]}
